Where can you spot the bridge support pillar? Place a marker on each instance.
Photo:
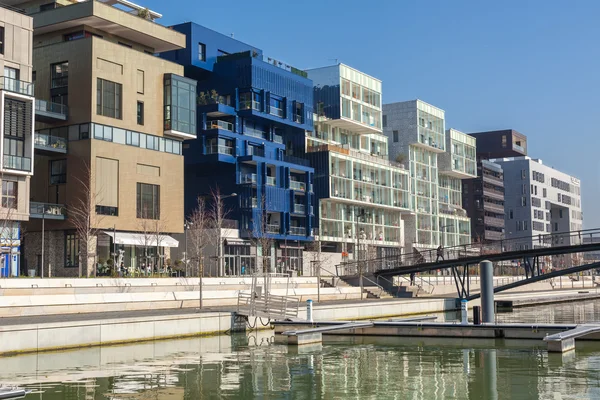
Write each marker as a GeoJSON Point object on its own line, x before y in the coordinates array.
{"type": "Point", "coordinates": [561, 346]}
{"type": "Point", "coordinates": [487, 291]}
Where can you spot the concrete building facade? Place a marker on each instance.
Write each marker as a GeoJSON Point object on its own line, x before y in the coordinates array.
{"type": "Point", "coordinates": [539, 200]}
{"type": "Point", "coordinates": [111, 121]}
{"type": "Point", "coordinates": [361, 194]}
{"type": "Point", "coordinates": [417, 137]}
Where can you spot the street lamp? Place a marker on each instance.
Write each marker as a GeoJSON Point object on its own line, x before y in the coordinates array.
{"type": "Point", "coordinates": [186, 226]}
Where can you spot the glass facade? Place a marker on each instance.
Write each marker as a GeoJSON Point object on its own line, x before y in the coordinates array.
{"type": "Point", "coordinates": [180, 104]}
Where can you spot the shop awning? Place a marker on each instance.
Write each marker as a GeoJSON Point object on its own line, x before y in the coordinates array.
{"type": "Point", "coordinates": [140, 239]}
{"type": "Point", "coordinates": [237, 242]}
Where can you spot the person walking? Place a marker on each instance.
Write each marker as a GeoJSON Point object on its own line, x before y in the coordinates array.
{"type": "Point", "coordinates": [440, 253]}
{"type": "Point", "coordinates": [412, 279]}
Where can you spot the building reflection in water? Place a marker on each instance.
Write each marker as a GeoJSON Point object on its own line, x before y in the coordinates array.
{"type": "Point", "coordinates": [242, 367]}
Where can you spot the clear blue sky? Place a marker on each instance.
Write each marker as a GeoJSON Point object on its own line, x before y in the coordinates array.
{"type": "Point", "coordinates": [533, 66]}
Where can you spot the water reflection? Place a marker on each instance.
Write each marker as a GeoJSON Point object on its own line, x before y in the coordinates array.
{"type": "Point", "coordinates": [252, 366]}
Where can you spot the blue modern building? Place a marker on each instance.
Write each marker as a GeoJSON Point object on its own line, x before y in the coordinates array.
{"type": "Point", "coordinates": [252, 112]}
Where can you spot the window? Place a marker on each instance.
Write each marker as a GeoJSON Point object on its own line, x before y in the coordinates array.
{"type": "Point", "coordinates": [180, 104]}
{"type": "Point", "coordinates": [276, 107]}
{"type": "Point", "coordinates": [140, 113]}
{"type": "Point", "coordinates": [560, 213]}
{"type": "Point", "coordinates": [510, 214]}
{"type": "Point", "coordinates": [108, 98]}
{"type": "Point", "coordinates": [201, 52]}
{"type": "Point", "coordinates": [524, 201]}
{"type": "Point", "coordinates": [384, 120]}
{"type": "Point", "coordinates": [71, 249]}
{"type": "Point", "coordinates": [2, 40]}
{"type": "Point", "coordinates": [58, 172]}
{"type": "Point", "coordinates": [556, 227]}
{"type": "Point", "coordinates": [148, 201]}
{"type": "Point", "coordinates": [60, 74]}
{"type": "Point", "coordinates": [544, 193]}
{"type": "Point", "coordinates": [9, 194]}
{"type": "Point", "coordinates": [523, 174]}
{"type": "Point", "coordinates": [106, 210]}
{"type": "Point", "coordinates": [503, 140]}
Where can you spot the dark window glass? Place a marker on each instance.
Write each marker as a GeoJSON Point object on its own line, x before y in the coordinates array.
{"type": "Point", "coordinates": [140, 113]}
{"type": "Point", "coordinates": [201, 52]}
{"type": "Point", "coordinates": [108, 98]}
{"type": "Point", "coordinates": [60, 75]}
{"type": "Point", "coordinates": [395, 136]}
{"type": "Point", "coordinates": [58, 172]}
{"type": "Point", "coordinates": [148, 201]}
{"type": "Point", "coordinates": [106, 210]}
{"type": "Point", "coordinates": [71, 250]}
{"type": "Point", "coordinates": [2, 40]}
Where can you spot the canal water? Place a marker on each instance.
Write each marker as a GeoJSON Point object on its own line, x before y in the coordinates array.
{"type": "Point", "coordinates": [252, 366]}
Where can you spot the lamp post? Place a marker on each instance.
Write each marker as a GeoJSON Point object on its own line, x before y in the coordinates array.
{"type": "Point", "coordinates": [186, 226]}
{"type": "Point", "coordinates": [43, 238]}
{"type": "Point", "coordinates": [285, 262]}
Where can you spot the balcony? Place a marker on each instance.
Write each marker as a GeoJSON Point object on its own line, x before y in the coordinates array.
{"type": "Point", "coordinates": [495, 222]}
{"type": "Point", "coordinates": [48, 143]}
{"type": "Point", "coordinates": [278, 139]}
{"type": "Point", "coordinates": [47, 211]}
{"type": "Point", "coordinates": [300, 186]}
{"type": "Point", "coordinates": [271, 181]}
{"type": "Point", "coordinates": [493, 235]}
{"type": "Point", "coordinates": [254, 132]}
{"type": "Point", "coordinates": [17, 86]}
{"type": "Point", "coordinates": [273, 228]}
{"type": "Point", "coordinates": [518, 148]}
{"type": "Point", "coordinates": [248, 178]}
{"type": "Point", "coordinates": [218, 124]}
{"type": "Point", "coordinates": [299, 209]}
{"type": "Point", "coordinates": [493, 207]}
{"type": "Point", "coordinates": [47, 111]}
{"type": "Point", "coordinates": [17, 163]}
{"type": "Point", "coordinates": [298, 230]}
{"type": "Point", "coordinates": [278, 112]}
{"type": "Point", "coordinates": [219, 150]}
{"type": "Point", "coordinates": [493, 179]}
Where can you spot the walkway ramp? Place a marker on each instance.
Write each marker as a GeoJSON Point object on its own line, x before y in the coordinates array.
{"type": "Point", "coordinates": [314, 335]}
{"type": "Point", "coordinates": [565, 341]}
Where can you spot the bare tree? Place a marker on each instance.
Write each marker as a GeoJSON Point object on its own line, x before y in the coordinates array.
{"type": "Point", "coordinates": [150, 229]}
{"type": "Point", "coordinates": [199, 223]}
{"type": "Point", "coordinates": [217, 214]}
{"type": "Point", "coordinates": [260, 236]}
{"type": "Point", "coordinates": [82, 213]}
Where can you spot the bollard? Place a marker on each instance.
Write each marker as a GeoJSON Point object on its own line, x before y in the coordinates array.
{"type": "Point", "coordinates": [463, 312]}
{"type": "Point", "coordinates": [487, 291]}
{"type": "Point", "coordinates": [309, 314]}
{"type": "Point", "coordinates": [477, 315]}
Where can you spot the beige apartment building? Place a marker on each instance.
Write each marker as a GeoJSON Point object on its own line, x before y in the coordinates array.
{"type": "Point", "coordinates": [16, 127]}
{"type": "Point", "coordinates": [110, 122]}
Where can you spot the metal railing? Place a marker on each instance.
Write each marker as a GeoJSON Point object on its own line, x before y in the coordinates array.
{"type": "Point", "coordinates": [296, 185]}
{"type": "Point", "coordinates": [48, 106]}
{"type": "Point", "coordinates": [271, 181]}
{"type": "Point", "coordinates": [278, 112]}
{"type": "Point", "coordinates": [50, 142]}
{"type": "Point", "coordinates": [267, 306]}
{"type": "Point", "coordinates": [278, 139]}
{"type": "Point", "coordinates": [297, 230]}
{"type": "Point", "coordinates": [220, 150]}
{"type": "Point", "coordinates": [254, 132]}
{"type": "Point", "coordinates": [47, 208]}
{"type": "Point", "coordinates": [17, 163]}
{"type": "Point", "coordinates": [248, 178]}
{"type": "Point", "coordinates": [299, 208]}
{"type": "Point", "coordinates": [250, 104]}
{"type": "Point", "coordinates": [17, 86]}
{"type": "Point", "coordinates": [418, 257]}
{"type": "Point", "coordinates": [218, 124]}
{"type": "Point", "coordinates": [271, 228]}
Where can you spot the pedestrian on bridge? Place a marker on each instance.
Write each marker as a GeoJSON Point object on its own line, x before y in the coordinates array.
{"type": "Point", "coordinates": [440, 253]}
{"type": "Point", "coordinates": [412, 279]}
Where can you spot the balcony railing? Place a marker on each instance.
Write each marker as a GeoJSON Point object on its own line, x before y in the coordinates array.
{"type": "Point", "coordinates": [53, 143]}
{"type": "Point", "coordinates": [254, 132]}
{"type": "Point", "coordinates": [248, 178]}
{"type": "Point", "coordinates": [250, 104]}
{"type": "Point", "coordinates": [47, 210]}
{"type": "Point", "coordinates": [518, 148]}
{"type": "Point", "coordinates": [256, 151]}
{"type": "Point", "coordinates": [300, 208]}
{"type": "Point", "coordinates": [297, 230]}
{"type": "Point", "coordinates": [220, 150]}
{"type": "Point", "coordinates": [17, 163]}
{"type": "Point", "coordinates": [278, 139]}
{"type": "Point", "coordinates": [495, 222]}
{"type": "Point", "coordinates": [298, 118]}
{"type": "Point", "coordinates": [295, 185]}
{"type": "Point", "coordinates": [17, 86]}
{"type": "Point", "coordinates": [50, 107]}
{"type": "Point", "coordinates": [278, 112]}
{"type": "Point", "coordinates": [271, 181]}
{"type": "Point", "coordinates": [218, 124]}
{"type": "Point", "coordinates": [272, 228]}
{"type": "Point", "coordinates": [493, 207]}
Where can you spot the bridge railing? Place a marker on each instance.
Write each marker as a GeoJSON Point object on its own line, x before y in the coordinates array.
{"type": "Point", "coordinates": [422, 256]}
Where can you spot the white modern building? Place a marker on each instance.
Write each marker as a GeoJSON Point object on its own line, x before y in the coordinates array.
{"type": "Point", "coordinates": [539, 200]}
{"type": "Point", "coordinates": [362, 195]}
{"type": "Point", "coordinates": [438, 160]}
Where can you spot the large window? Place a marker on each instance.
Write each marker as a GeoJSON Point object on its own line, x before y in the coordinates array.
{"type": "Point", "coordinates": [17, 123]}
{"type": "Point", "coordinates": [148, 201]}
{"type": "Point", "coordinates": [109, 98]}
{"type": "Point", "coordinates": [180, 104]}
{"type": "Point", "coordinates": [58, 172]}
{"type": "Point", "coordinates": [9, 194]}
{"type": "Point", "coordinates": [140, 113]}
{"type": "Point", "coordinates": [71, 249]}
{"type": "Point", "coordinates": [60, 74]}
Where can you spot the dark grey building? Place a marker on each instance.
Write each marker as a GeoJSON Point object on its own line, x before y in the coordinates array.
{"type": "Point", "coordinates": [500, 144]}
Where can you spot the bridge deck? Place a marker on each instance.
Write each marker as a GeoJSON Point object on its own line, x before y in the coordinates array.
{"type": "Point", "coordinates": [505, 256]}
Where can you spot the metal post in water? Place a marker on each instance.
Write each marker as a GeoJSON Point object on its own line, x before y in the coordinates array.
{"type": "Point", "coordinates": [309, 310]}
{"type": "Point", "coordinates": [487, 291]}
